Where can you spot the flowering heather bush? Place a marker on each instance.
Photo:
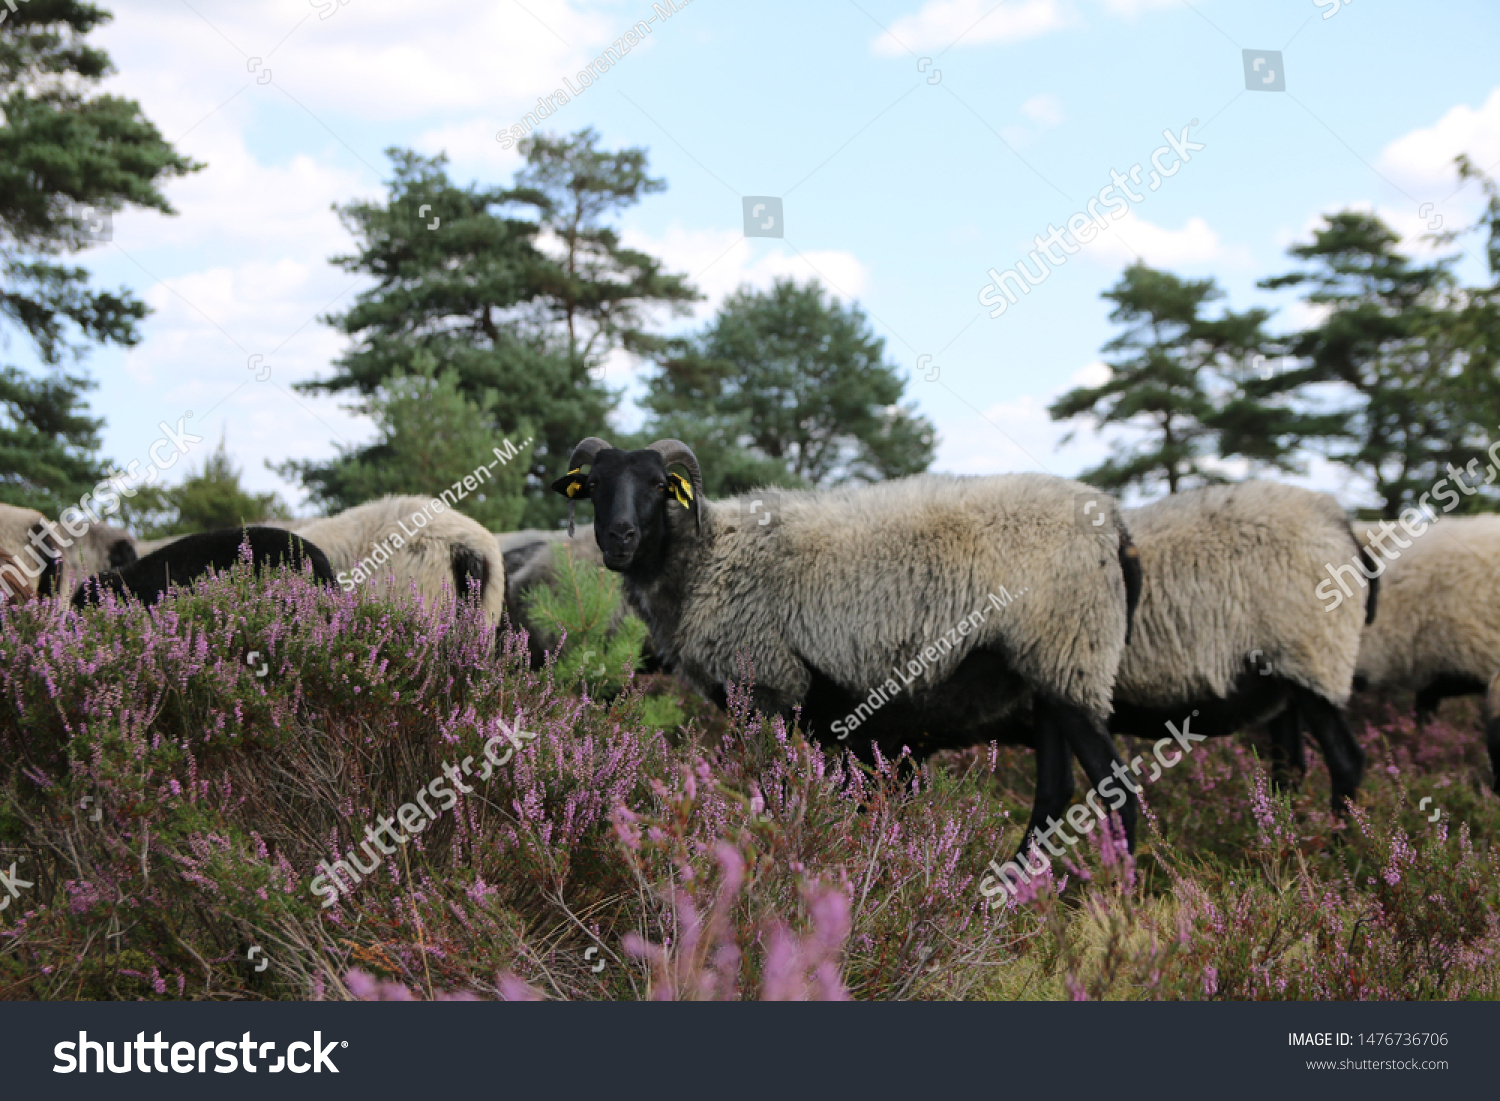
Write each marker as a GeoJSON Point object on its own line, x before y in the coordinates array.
{"type": "Point", "coordinates": [169, 803]}
{"type": "Point", "coordinates": [219, 785]}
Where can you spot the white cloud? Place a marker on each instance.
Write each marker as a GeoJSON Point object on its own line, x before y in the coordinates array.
{"type": "Point", "coordinates": [943, 23]}
{"type": "Point", "coordinates": [1095, 373]}
{"type": "Point", "coordinates": [1045, 110]}
{"type": "Point", "coordinates": [1424, 158]}
{"type": "Point", "coordinates": [1132, 236]}
{"type": "Point", "coordinates": [1129, 9]}
{"type": "Point", "coordinates": [372, 59]}
{"type": "Point", "coordinates": [718, 261]}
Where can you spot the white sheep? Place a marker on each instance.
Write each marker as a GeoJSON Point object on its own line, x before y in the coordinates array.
{"type": "Point", "coordinates": [1438, 631]}
{"type": "Point", "coordinates": [412, 539]}
{"type": "Point", "coordinates": [1230, 631]}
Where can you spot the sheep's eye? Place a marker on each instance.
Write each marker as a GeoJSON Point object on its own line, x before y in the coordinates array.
{"type": "Point", "coordinates": [661, 485]}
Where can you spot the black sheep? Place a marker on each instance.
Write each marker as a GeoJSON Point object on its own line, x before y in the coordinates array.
{"type": "Point", "coordinates": [191, 557]}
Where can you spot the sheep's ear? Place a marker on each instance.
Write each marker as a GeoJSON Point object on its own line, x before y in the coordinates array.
{"type": "Point", "coordinates": [571, 485]}
{"type": "Point", "coordinates": [681, 488]}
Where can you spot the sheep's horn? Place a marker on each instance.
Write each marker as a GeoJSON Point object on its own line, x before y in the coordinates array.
{"type": "Point", "coordinates": [584, 453]}
{"type": "Point", "coordinates": [675, 451]}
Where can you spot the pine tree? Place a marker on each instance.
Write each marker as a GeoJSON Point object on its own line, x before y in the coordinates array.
{"type": "Point", "coordinates": [207, 500]}
{"type": "Point", "coordinates": [1188, 382]}
{"type": "Point", "coordinates": [466, 282]}
{"type": "Point", "coordinates": [1389, 343]}
{"type": "Point", "coordinates": [430, 436]}
{"type": "Point", "coordinates": [68, 160]}
{"type": "Point", "coordinates": [788, 386]}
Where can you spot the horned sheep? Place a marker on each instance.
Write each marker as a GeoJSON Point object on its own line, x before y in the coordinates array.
{"type": "Point", "coordinates": [1229, 631]}
{"type": "Point", "coordinates": [841, 592]}
{"type": "Point", "coordinates": [1438, 633]}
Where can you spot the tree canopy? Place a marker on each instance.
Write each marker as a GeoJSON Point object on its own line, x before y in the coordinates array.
{"type": "Point", "coordinates": [69, 159]}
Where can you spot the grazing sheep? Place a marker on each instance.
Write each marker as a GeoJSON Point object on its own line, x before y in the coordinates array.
{"type": "Point", "coordinates": [102, 547]}
{"type": "Point", "coordinates": [1438, 633]}
{"type": "Point", "coordinates": [417, 539]}
{"type": "Point", "coordinates": [192, 556]}
{"type": "Point", "coordinates": [837, 593]}
{"type": "Point", "coordinates": [1229, 631]}
{"type": "Point", "coordinates": [33, 564]}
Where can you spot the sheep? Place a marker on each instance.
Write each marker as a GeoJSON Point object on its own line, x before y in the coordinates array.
{"type": "Point", "coordinates": [1438, 634]}
{"type": "Point", "coordinates": [146, 546]}
{"type": "Point", "coordinates": [192, 556]}
{"type": "Point", "coordinates": [33, 565]}
{"type": "Point", "coordinates": [413, 539]}
{"type": "Point", "coordinates": [102, 547]}
{"type": "Point", "coordinates": [1229, 631]}
{"type": "Point", "coordinates": [842, 591]}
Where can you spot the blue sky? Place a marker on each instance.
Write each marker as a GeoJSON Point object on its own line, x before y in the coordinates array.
{"type": "Point", "coordinates": [904, 180]}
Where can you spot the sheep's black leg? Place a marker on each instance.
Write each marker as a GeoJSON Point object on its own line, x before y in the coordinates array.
{"type": "Point", "coordinates": [1427, 704]}
{"type": "Point", "coordinates": [1492, 742]}
{"type": "Point", "coordinates": [1054, 776]}
{"type": "Point", "coordinates": [1288, 759]}
{"type": "Point", "coordinates": [1096, 752]}
{"type": "Point", "coordinates": [1345, 758]}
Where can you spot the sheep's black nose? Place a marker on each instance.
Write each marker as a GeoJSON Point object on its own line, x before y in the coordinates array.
{"type": "Point", "coordinates": [623, 534]}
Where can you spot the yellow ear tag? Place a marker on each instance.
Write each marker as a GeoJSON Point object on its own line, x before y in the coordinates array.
{"type": "Point", "coordinates": [682, 489]}
{"type": "Point", "coordinates": [577, 483]}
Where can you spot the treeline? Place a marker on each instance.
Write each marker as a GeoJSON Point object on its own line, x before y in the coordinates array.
{"type": "Point", "coordinates": [493, 311]}
{"type": "Point", "coordinates": [1394, 379]}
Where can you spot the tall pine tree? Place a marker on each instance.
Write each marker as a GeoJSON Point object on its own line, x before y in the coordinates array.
{"type": "Point", "coordinates": [466, 282]}
{"type": "Point", "coordinates": [1187, 381]}
{"type": "Point", "coordinates": [1389, 344]}
{"type": "Point", "coordinates": [68, 159]}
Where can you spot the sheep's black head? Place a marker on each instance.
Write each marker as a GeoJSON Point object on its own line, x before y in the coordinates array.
{"type": "Point", "coordinates": [631, 492]}
{"type": "Point", "coordinates": [121, 553]}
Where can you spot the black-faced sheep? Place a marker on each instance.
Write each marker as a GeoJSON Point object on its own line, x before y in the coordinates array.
{"type": "Point", "coordinates": [1229, 631]}
{"type": "Point", "coordinates": [102, 547]}
{"type": "Point", "coordinates": [413, 539]}
{"type": "Point", "coordinates": [192, 556]}
{"type": "Point", "coordinates": [839, 593]}
{"type": "Point", "coordinates": [1438, 632]}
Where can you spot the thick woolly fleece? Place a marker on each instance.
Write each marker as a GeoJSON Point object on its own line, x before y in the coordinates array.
{"type": "Point", "coordinates": [429, 546]}
{"type": "Point", "coordinates": [1229, 578]}
{"type": "Point", "coordinates": [1439, 605]}
{"type": "Point", "coordinates": [856, 582]}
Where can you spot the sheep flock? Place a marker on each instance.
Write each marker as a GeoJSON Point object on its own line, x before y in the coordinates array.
{"type": "Point", "coordinates": [931, 612]}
